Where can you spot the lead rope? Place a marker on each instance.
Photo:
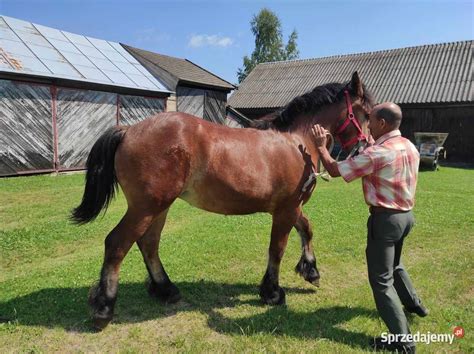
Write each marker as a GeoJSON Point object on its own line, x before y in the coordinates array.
{"type": "Point", "coordinates": [323, 174]}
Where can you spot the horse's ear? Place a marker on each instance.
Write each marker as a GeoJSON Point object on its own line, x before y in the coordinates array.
{"type": "Point", "coordinates": [357, 84]}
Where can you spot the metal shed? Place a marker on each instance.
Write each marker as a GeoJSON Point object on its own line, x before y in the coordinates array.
{"type": "Point", "coordinates": [433, 84]}
{"type": "Point", "coordinates": [59, 91]}
{"type": "Point", "coordinates": [198, 91]}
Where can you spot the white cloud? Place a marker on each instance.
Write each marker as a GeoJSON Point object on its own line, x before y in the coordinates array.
{"type": "Point", "coordinates": [214, 40]}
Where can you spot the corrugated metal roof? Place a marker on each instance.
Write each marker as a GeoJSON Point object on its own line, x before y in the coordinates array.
{"type": "Point", "coordinates": [31, 49]}
{"type": "Point", "coordinates": [426, 74]}
{"type": "Point", "coordinates": [182, 69]}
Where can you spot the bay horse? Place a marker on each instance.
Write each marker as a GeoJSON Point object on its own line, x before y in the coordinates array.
{"type": "Point", "coordinates": [224, 170]}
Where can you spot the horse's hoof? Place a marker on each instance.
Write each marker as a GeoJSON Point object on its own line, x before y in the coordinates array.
{"type": "Point", "coordinates": [173, 297]}
{"type": "Point", "coordinates": [313, 277]}
{"type": "Point", "coordinates": [99, 323]}
{"type": "Point", "coordinates": [167, 293]}
{"type": "Point", "coordinates": [276, 297]}
{"type": "Point", "coordinates": [308, 271]}
{"type": "Point", "coordinates": [102, 308]}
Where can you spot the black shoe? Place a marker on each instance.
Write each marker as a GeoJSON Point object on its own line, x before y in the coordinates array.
{"type": "Point", "coordinates": [420, 310]}
{"type": "Point", "coordinates": [378, 345]}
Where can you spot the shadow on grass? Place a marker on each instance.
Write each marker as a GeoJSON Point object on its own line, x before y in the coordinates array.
{"type": "Point", "coordinates": [425, 167]}
{"type": "Point", "coordinates": [457, 164]}
{"type": "Point", "coordinates": [67, 308]}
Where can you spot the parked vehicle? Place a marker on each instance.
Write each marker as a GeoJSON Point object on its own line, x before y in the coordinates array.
{"type": "Point", "coordinates": [430, 146]}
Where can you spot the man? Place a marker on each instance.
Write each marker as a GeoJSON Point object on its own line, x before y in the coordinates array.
{"type": "Point", "coordinates": [389, 171]}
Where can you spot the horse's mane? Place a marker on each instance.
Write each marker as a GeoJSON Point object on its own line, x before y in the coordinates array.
{"type": "Point", "coordinates": [308, 104]}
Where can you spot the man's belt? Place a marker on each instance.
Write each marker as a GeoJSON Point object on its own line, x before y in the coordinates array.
{"type": "Point", "coordinates": [379, 209]}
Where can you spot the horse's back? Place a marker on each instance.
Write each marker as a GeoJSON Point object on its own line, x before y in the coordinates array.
{"type": "Point", "coordinates": [216, 168]}
{"type": "Point", "coordinates": [194, 135]}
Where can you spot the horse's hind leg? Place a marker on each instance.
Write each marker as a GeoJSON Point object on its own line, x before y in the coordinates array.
{"type": "Point", "coordinates": [306, 267]}
{"type": "Point", "coordinates": [270, 291]}
{"type": "Point", "coordinates": [103, 296]}
{"type": "Point", "coordinates": [159, 284]}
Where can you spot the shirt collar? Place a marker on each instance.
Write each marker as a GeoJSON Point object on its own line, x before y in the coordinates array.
{"type": "Point", "coordinates": [386, 136]}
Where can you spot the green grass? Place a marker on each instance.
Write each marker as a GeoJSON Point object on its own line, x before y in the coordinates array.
{"type": "Point", "coordinates": [47, 266]}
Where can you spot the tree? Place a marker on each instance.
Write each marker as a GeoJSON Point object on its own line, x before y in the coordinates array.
{"type": "Point", "coordinates": [266, 27]}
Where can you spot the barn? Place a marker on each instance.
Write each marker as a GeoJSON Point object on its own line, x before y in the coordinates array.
{"type": "Point", "coordinates": [197, 91]}
{"type": "Point", "coordinates": [59, 91]}
{"type": "Point", "coordinates": [432, 83]}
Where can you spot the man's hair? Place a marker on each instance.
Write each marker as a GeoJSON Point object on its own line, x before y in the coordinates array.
{"type": "Point", "coordinates": [393, 117]}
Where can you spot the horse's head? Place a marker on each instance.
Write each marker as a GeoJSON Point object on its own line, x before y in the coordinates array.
{"type": "Point", "coordinates": [351, 125]}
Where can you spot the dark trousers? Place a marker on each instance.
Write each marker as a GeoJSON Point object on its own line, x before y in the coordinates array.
{"type": "Point", "coordinates": [388, 278]}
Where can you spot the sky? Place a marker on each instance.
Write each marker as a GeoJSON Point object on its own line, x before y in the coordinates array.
{"type": "Point", "coordinates": [216, 34]}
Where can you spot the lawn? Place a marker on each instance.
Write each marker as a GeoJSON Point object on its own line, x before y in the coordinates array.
{"type": "Point", "coordinates": [47, 266]}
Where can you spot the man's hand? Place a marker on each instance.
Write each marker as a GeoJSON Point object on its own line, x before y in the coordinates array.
{"type": "Point", "coordinates": [320, 138]}
{"type": "Point", "coordinates": [320, 135]}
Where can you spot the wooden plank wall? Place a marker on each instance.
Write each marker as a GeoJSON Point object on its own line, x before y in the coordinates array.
{"type": "Point", "coordinates": [458, 121]}
{"type": "Point", "coordinates": [136, 108]}
{"type": "Point", "coordinates": [207, 104]}
{"type": "Point", "coordinates": [190, 100]}
{"type": "Point", "coordinates": [26, 139]}
{"type": "Point", "coordinates": [214, 106]}
{"type": "Point", "coordinates": [46, 128]}
{"type": "Point", "coordinates": [82, 116]}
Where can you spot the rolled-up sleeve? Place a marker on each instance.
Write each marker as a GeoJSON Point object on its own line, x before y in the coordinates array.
{"type": "Point", "coordinates": [370, 160]}
{"type": "Point", "coordinates": [355, 167]}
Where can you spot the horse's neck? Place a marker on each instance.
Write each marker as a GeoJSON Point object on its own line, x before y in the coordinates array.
{"type": "Point", "coordinates": [304, 133]}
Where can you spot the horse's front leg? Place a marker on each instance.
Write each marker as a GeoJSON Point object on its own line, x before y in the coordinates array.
{"type": "Point", "coordinates": [306, 267]}
{"type": "Point", "coordinates": [270, 290]}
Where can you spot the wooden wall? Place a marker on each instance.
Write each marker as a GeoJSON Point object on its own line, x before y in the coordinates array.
{"type": "Point", "coordinates": [134, 109]}
{"type": "Point", "coordinates": [458, 121]}
{"type": "Point", "coordinates": [214, 106]}
{"type": "Point", "coordinates": [82, 116]}
{"type": "Point", "coordinates": [190, 100]}
{"type": "Point", "coordinates": [207, 104]}
{"type": "Point", "coordinates": [47, 128]}
{"type": "Point", "coordinates": [255, 113]}
{"type": "Point", "coordinates": [26, 129]}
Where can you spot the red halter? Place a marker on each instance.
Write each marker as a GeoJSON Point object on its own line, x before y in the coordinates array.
{"type": "Point", "coordinates": [350, 118]}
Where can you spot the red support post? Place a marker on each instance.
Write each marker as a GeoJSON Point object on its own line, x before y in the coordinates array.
{"type": "Point", "coordinates": [118, 109]}
{"type": "Point", "coordinates": [54, 94]}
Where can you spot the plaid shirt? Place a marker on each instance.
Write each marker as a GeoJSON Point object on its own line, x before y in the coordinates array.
{"type": "Point", "coordinates": [389, 170]}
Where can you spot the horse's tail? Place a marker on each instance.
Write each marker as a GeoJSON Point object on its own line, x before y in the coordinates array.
{"type": "Point", "coordinates": [101, 180]}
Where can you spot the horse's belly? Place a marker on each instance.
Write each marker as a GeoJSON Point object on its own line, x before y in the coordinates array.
{"type": "Point", "coordinates": [223, 199]}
